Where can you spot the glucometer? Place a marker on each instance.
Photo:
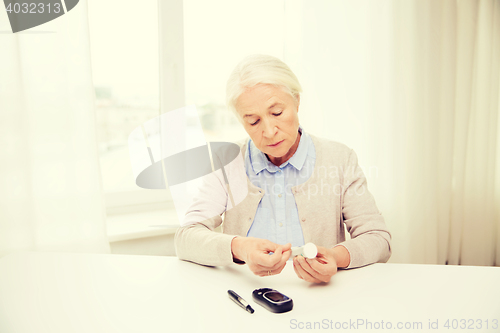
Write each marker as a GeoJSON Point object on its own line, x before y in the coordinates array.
{"type": "Point", "coordinates": [272, 300]}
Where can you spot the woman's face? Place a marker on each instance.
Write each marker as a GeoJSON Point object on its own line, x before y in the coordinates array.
{"type": "Point", "coordinates": [270, 117]}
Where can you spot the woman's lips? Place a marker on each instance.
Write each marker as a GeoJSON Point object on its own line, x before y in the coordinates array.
{"type": "Point", "coordinates": [276, 145]}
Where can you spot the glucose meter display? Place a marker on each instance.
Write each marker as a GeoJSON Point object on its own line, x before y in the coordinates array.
{"type": "Point", "coordinates": [275, 296]}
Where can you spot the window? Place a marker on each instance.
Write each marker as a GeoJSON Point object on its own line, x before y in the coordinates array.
{"type": "Point", "coordinates": [189, 49]}
{"type": "Point", "coordinates": [216, 37]}
{"type": "Point", "coordinates": [125, 69]}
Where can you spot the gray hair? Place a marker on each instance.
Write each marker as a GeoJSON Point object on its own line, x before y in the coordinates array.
{"type": "Point", "coordinates": [260, 69]}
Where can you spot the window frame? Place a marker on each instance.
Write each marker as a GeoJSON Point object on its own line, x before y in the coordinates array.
{"type": "Point", "coordinates": [172, 96]}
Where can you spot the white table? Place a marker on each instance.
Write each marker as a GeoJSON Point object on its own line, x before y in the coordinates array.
{"type": "Point", "coordinates": [64, 292]}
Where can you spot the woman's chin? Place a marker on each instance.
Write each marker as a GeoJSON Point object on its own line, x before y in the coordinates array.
{"type": "Point", "coordinates": [277, 153]}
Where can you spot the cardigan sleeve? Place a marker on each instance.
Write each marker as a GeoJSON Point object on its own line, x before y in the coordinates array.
{"type": "Point", "coordinates": [370, 238]}
{"type": "Point", "coordinates": [200, 244]}
{"type": "Point", "coordinates": [196, 239]}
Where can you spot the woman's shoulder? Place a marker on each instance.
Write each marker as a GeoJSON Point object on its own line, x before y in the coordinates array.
{"type": "Point", "coordinates": [242, 142]}
{"type": "Point", "coordinates": [330, 148]}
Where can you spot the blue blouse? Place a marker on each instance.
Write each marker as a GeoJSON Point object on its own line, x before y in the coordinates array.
{"type": "Point", "coordinates": [277, 217]}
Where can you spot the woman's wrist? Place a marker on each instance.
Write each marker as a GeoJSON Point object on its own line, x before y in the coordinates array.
{"type": "Point", "coordinates": [237, 249]}
{"type": "Point", "coordinates": [342, 256]}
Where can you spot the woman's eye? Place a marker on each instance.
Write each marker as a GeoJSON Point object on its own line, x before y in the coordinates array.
{"type": "Point", "coordinates": [277, 114]}
{"type": "Point", "coordinates": [255, 123]}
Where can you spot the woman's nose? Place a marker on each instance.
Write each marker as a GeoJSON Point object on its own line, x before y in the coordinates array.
{"type": "Point", "coordinates": [269, 129]}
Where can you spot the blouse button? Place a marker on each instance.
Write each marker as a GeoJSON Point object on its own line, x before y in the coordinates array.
{"type": "Point", "coordinates": [279, 195]}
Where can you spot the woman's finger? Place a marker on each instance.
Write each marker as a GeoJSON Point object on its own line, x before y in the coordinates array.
{"type": "Point", "coordinates": [305, 275]}
{"type": "Point", "coordinates": [305, 265]}
{"type": "Point", "coordinates": [296, 270]}
{"type": "Point", "coordinates": [325, 269]}
{"type": "Point", "coordinates": [282, 263]}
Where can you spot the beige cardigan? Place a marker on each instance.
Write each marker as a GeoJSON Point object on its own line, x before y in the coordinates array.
{"type": "Point", "coordinates": [336, 193]}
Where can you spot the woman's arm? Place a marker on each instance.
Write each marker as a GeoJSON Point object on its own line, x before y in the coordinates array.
{"type": "Point", "coordinates": [370, 238]}
{"type": "Point", "coordinates": [342, 256]}
{"type": "Point", "coordinates": [196, 240]}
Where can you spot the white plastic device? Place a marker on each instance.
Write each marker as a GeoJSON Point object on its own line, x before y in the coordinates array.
{"type": "Point", "coordinates": [308, 251]}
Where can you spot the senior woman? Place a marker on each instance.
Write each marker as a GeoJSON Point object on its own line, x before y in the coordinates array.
{"type": "Point", "coordinates": [299, 188]}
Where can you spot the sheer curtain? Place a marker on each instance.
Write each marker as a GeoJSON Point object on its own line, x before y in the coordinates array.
{"type": "Point", "coordinates": [50, 187]}
{"type": "Point", "coordinates": [413, 87]}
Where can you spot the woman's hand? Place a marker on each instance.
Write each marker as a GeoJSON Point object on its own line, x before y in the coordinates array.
{"type": "Point", "coordinates": [255, 252]}
{"type": "Point", "coordinates": [324, 266]}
